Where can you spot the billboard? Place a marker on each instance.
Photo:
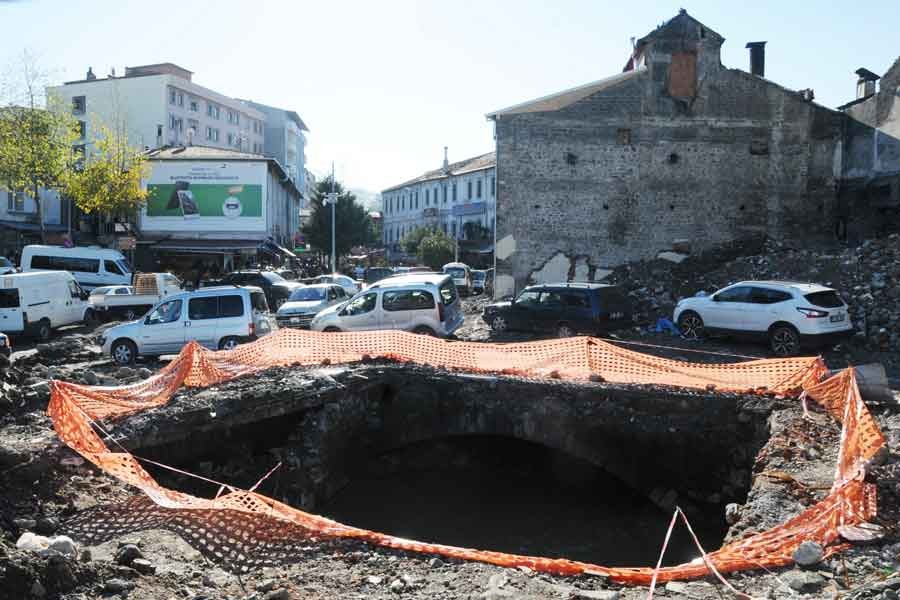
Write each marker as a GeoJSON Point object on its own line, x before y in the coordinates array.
{"type": "Point", "coordinates": [205, 196]}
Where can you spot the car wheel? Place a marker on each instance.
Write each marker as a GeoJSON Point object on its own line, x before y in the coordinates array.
{"type": "Point", "coordinates": [691, 325]}
{"type": "Point", "coordinates": [228, 343]}
{"type": "Point", "coordinates": [43, 330]}
{"type": "Point", "coordinates": [424, 330]}
{"type": "Point", "coordinates": [331, 330]}
{"type": "Point", "coordinates": [784, 341]}
{"type": "Point", "coordinates": [564, 330]}
{"type": "Point", "coordinates": [123, 352]}
{"type": "Point", "coordinates": [499, 323]}
{"type": "Point", "coordinates": [130, 314]}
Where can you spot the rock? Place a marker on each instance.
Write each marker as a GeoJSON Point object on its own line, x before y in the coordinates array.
{"type": "Point", "coordinates": [127, 553]}
{"type": "Point", "coordinates": [90, 378]}
{"type": "Point", "coordinates": [674, 257]}
{"type": "Point", "coordinates": [32, 542]}
{"type": "Point", "coordinates": [72, 461]}
{"type": "Point", "coordinates": [435, 563]}
{"type": "Point", "coordinates": [25, 523]}
{"type": "Point", "coordinates": [374, 579]}
{"type": "Point", "coordinates": [38, 590]}
{"type": "Point", "coordinates": [803, 581]}
{"type": "Point", "coordinates": [397, 585]}
{"type": "Point", "coordinates": [498, 580]}
{"type": "Point", "coordinates": [64, 545]}
{"type": "Point", "coordinates": [115, 586]}
{"type": "Point", "coordinates": [145, 567]}
{"type": "Point", "coordinates": [144, 373]}
{"type": "Point", "coordinates": [46, 525]}
{"type": "Point", "coordinates": [266, 585]}
{"type": "Point", "coordinates": [732, 513]}
{"type": "Point", "coordinates": [676, 587]}
{"type": "Point", "coordinates": [577, 594]}
{"type": "Point", "coordinates": [808, 554]}
{"type": "Point", "coordinates": [123, 372]}
{"type": "Point", "coordinates": [864, 533]}
{"type": "Point", "coordinates": [280, 594]}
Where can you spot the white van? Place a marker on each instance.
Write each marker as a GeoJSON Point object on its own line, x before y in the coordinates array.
{"type": "Point", "coordinates": [462, 276]}
{"type": "Point", "coordinates": [215, 317]}
{"type": "Point", "coordinates": [37, 303]}
{"type": "Point", "coordinates": [92, 266]}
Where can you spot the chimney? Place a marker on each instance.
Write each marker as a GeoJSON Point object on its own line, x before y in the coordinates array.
{"type": "Point", "coordinates": [90, 74]}
{"type": "Point", "coordinates": [446, 162]}
{"type": "Point", "coordinates": [757, 58]}
{"type": "Point", "coordinates": [865, 85]}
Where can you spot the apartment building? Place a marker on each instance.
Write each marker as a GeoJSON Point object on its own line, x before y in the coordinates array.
{"type": "Point", "coordinates": [159, 105]}
{"type": "Point", "coordinates": [285, 141]}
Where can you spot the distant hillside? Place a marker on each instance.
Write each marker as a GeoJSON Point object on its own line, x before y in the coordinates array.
{"type": "Point", "coordinates": [370, 200]}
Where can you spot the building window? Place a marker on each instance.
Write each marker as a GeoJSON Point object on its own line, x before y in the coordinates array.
{"type": "Point", "coordinates": [454, 192]}
{"type": "Point", "coordinates": [175, 124]}
{"type": "Point", "coordinates": [212, 134]}
{"type": "Point", "coordinates": [78, 105]}
{"type": "Point", "coordinates": [15, 201]}
{"type": "Point", "coordinates": [468, 190]}
{"type": "Point", "coordinates": [478, 191]}
{"type": "Point", "coordinates": [194, 106]}
{"type": "Point", "coordinates": [212, 110]}
{"type": "Point", "coordinates": [403, 203]}
{"type": "Point", "coordinates": [82, 129]}
{"type": "Point", "coordinates": [493, 187]}
{"type": "Point", "coordinates": [427, 195]}
{"type": "Point", "coordinates": [180, 99]}
{"type": "Point", "coordinates": [417, 199]}
{"type": "Point", "coordinates": [231, 139]}
{"type": "Point", "coordinates": [237, 118]}
{"type": "Point", "coordinates": [445, 199]}
{"type": "Point", "coordinates": [173, 96]}
{"type": "Point", "coordinates": [623, 137]}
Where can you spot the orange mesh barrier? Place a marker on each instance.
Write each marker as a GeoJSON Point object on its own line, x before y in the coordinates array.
{"type": "Point", "coordinates": [74, 407]}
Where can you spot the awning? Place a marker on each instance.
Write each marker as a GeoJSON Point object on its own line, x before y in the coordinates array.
{"type": "Point", "coordinates": [21, 226]}
{"type": "Point", "coordinates": [273, 248]}
{"type": "Point", "coordinates": [206, 246]}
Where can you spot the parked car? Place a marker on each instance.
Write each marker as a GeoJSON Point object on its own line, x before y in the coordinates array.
{"type": "Point", "coordinates": [276, 288]}
{"type": "Point", "coordinates": [305, 302]}
{"type": "Point", "coordinates": [37, 303]}
{"type": "Point", "coordinates": [787, 314]}
{"type": "Point", "coordinates": [349, 284]}
{"type": "Point", "coordinates": [5, 345]}
{"type": "Point", "coordinates": [218, 318]}
{"type": "Point", "coordinates": [6, 266]}
{"type": "Point", "coordinates": [565, 309]}
{"type": "Point", "coordinates": [421, 303]}
{"type": "Point", "coordinates": [91, 266]}
{"type": "Point", "coordinates": [149, 289]}
{"type": "Point", "coordinates": [483, 282]}
{"type": "Point", "coordinates": [374, 274]}
{"type": "Point", "coordinates": [462, 276]}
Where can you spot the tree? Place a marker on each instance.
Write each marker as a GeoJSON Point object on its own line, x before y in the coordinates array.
{"type": "Point", "coordinates": [436, 250]}
{"type": "Point", "coordinates": [110, 179]}
{"type": "Point", "coordinates": [411, 240]}
{"type": "Point", "coordinates": [352, 224]}
{"type": "Point", "coordinates": [36, 138]}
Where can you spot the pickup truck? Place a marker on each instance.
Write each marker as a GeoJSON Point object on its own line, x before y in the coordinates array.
{"type": "Point", "coordinates": [149, 290]}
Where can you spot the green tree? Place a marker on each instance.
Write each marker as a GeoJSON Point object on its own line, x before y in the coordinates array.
{"type": "Point", "coordinates": [110, 179]}
{"type": "Point", "coordinates": [436, 250]}
{"type": "Point", "coordinates": [36, 137]}
{"type": "Point", "coordinates": [353, 227]}
{"type": "Point", "coordinates": [411, 240]}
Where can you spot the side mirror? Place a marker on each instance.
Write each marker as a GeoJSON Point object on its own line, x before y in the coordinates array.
{"type": "Point", "coordinates": [84, 295]}
{"type": "Point", "coordinates": [716, 298]}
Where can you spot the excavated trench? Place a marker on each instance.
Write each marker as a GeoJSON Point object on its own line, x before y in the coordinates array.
{"type": "Point", "coordinates": [589, 471]}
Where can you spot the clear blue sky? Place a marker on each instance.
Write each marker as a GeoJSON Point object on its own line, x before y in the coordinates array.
{"type": "Point", "coordinates": [384, 85]}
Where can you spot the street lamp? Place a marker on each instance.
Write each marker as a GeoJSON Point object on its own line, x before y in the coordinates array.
{"type": "Point", "coordinates": [332, 198]}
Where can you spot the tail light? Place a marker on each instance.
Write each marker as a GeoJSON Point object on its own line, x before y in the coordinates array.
{"type": "Point", "coordinates": [252, 328]}
{"type": "Point", "coordinates": [441, 312]}
{"type": "Point", "coordinates": [812, 313]}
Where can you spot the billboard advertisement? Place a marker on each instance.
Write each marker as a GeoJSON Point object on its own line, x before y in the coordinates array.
{"type": "Point", "coordinates": [205, 196]}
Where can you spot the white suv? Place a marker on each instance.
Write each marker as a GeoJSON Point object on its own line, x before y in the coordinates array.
{"type": "Point", "coordinates": [785, 313]}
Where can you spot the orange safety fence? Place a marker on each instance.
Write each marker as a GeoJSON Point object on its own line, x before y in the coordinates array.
{"type": "Point", "coordinates": [75, 408]}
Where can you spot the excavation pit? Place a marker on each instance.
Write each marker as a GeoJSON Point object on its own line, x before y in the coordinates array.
{"type": "Point", "coordinates": [583, 471]}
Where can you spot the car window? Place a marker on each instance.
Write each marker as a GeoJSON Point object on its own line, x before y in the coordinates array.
{"type": "Point", "coordinates": [167, 312]}
{"type": "Point", "coordinates": [9, 298]}
{"type": "Point", "coordinates": [574, 299]}
{"type": "Point", "coordinates": [528, 298]}
{"type": "Point", "coordinates": [171, 280]}
{"type": "Point", "coordinates": [550, 299]}
{"type": "Point", "coordinates": [826, 299]}
{"type": "Point", "coordinates": [340, 292]}
{"type": "Point", "coordinates": [768, 296]}
{"type": "Point", "coordinates": [231, 306]}
{"type": "Point", "coordinates": [74, 289]}
{"type": "Point", "coordinates": [271, 277]}
{"type": "Point", "coordinates": [307, 294]}
{"type": "Point", "coordinates": [258, 302]}
{"type": "Point", "coordinates": [735, 294]}
{"type": "Point", "coordinates": [332, 294]}
{"type": "Point", "coordinates": [407, 300]}
{"type": "Point", "coordinates": [112, 267]}
{"type": "Point", "coordinates": [448, 292]}
{"type": "Point", "coordinates": [361, 304]}
{"type": "Point", "coordinates": [122, 291]}
{"type": "Point", "coordinates": [203, 308]}
{"type": "Point", "coordinates": [124, 265]}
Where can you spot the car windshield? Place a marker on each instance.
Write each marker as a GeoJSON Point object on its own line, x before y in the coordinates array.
{"type": "Point", "coordinates": [478, 276]}
{"type": "Point", "coordinates": [455, 272]}
{"type": "Point", "coordinates": [124, 265]}
{"type": "Point", "coordinates": [102, 291]}
{"type": "Point", "coordinates": [826, 299]}
{"type": "Point", "coordinates": [272, 277]}
{"type": "Point", "coordinates": [5, 262]}
{"type": "Point", "coordinates": [308, 293]}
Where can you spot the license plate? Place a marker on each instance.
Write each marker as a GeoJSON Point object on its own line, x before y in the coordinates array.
{"type": "Point", "coordinates": [295, 319]}
{"type": "Point", "coordinates": [837, 318]}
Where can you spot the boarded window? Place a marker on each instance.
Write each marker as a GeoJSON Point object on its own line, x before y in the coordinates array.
{"type": "Point", "coordinates": [623, 136]}
{"type": "Point", "coordinates": [683, 75]}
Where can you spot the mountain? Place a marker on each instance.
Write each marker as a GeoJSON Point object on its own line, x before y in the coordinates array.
{"type": "Point", "coordinates": [370, 200]}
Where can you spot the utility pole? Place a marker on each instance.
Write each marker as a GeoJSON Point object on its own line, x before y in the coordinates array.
{"type": "Point", "coordinates": [332, 200]}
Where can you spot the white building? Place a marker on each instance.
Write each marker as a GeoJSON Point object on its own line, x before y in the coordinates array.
{"type": "Point", "coordinates": [459, 199]}
{"type": "Point", "coordinates": [159, 105]}
{"type": "Point", "coordinates": [285, 140]}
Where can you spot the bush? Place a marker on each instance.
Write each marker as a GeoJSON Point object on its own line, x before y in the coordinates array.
{"type": "Point", "coordinates": [436, 250]}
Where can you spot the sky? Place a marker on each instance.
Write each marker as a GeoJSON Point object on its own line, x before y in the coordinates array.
{"type": "Point", "coordinates": [384, 85]}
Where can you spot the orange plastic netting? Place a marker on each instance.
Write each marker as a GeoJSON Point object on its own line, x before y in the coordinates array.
{"type": "Point", "coordinates": [74, 408]}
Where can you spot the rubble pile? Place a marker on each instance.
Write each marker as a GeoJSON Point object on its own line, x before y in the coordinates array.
{"type": "Point", "coordinates": [867, 276]}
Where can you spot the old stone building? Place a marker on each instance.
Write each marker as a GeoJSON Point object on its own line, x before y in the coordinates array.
{"type": "Point", "coordinates": [676, 147]}
{"type": "Point", "coordinates": [869, 199]}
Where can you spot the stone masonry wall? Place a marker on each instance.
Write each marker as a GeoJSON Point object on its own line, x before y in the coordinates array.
{"type": "Point", "coordinates": [620, 175]}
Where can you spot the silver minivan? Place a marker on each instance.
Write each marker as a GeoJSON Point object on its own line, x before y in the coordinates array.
{"type": "Point", "coordinates": [218, 318]}
{"type": "Point", "coordinates": [422, 303]}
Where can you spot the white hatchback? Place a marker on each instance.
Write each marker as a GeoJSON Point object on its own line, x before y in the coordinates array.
{"type": "Point", "coordinates": [787, 314]}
